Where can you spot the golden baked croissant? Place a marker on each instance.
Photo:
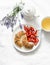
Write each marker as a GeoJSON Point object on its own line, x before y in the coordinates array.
{"type": "Point", "coordinates": [17, 38]}
{"type": "Point", "coordinates": [21, 40]}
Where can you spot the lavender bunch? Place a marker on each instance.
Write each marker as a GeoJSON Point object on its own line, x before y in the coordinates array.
{"type": "Point", "coordinates": [10, 19]}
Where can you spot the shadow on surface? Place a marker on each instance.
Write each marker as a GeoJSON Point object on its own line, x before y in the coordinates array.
{"type": "Point", "coordinates": [47, 36]}
{"type": "Point", "coordinates": [29, 53]}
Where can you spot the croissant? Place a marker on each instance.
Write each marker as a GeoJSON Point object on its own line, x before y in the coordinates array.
{"type": "Point", "coordinates": [17, 38]}
{"type": "Point", "coordinates": [27, 44]}
{"type": "Point", "coordinates": [21, 40]}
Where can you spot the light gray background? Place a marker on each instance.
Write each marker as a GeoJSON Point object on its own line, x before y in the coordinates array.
{"type": "Point", "coordinates": [8, 55]}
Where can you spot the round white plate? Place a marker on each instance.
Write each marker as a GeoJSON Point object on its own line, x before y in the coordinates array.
{"type": "Point", "coordinates": [17, 29]}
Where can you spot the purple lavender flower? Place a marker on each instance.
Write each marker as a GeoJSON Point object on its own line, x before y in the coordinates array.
{"type": "Point", "coordinates": [9, 21]}
{"type": "Point", "coordinates": [22, 16]}
{"type": "Point", "coordinates": [20, 24]}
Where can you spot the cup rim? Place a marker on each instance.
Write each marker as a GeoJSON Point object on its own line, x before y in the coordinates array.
{"type": "Point", "coordinates": [42, 22]}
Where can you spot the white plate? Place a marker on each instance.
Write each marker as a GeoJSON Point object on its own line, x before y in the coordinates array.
{"type": "Point", "coordinates": [17, 29]}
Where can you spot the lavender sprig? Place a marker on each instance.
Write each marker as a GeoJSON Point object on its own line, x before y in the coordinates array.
{"type": "Point", "coordinates": [20, 25]}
